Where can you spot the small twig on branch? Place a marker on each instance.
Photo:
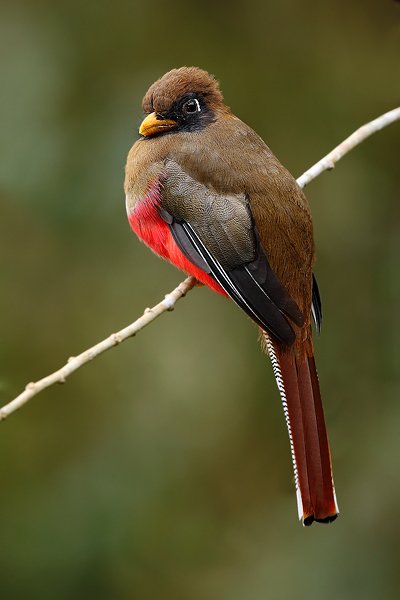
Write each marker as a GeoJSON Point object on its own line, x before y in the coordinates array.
{"type": "Point", "coordinates": [150, 314]}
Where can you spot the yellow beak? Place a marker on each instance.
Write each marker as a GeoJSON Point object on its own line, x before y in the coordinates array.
{"type": "Point", "coordinates": [154, 124]}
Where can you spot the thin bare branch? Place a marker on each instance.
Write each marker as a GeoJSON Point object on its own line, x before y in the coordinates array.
{"type": "Point", "coordinates": [75, 362]}
{"type": "Point", "coordinates": [168, 304]}
{"type": "Point", "coordinates": [328, 162]}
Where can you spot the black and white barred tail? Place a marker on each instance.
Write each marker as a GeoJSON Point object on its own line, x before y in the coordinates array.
{"type": "Point", "coordinates": [297, 382]}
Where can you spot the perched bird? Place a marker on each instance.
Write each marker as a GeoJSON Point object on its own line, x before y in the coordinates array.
{"type": "Point", "coordinates": [205, 192]}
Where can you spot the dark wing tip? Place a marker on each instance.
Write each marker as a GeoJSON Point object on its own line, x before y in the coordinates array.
{"type": "Point", "coordinates": [263, 273]}
{"type": "Point", "coordinates": [238, 283]}
{"type": "Point", "coordinates": [316, 304]}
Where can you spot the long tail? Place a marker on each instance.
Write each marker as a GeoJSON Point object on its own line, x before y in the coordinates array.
{"type": "Point", "coordinates": [297, 381]}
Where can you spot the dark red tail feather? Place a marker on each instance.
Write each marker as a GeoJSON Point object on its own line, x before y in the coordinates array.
{"type": "Point", "coordinates": [298, 385]}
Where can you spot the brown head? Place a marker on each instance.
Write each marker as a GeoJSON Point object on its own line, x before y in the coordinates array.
{"type": "Point", "coordinates": [184, 99]}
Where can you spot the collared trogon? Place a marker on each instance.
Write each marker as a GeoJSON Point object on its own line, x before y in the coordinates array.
{"type": "Point", "coordinates": [205, 192]}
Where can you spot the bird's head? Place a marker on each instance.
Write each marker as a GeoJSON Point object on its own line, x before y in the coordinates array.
{"type": "Point", "coordinates": [185, 99]}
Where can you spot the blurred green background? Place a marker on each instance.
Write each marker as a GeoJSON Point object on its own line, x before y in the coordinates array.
{"type": "Point", "coordinates": [162, 469]}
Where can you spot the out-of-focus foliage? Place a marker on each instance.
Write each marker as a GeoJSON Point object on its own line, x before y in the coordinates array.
{"type": "Point", "coordinates": [162, 469]}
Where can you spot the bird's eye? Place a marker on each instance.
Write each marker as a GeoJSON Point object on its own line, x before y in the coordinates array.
{"type": "Point", "coordinates": [191, 106]}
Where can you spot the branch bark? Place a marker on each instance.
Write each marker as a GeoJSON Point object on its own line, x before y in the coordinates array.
{"type": "Point", "coordinates": [150, 314]}
{"type": "Point", "coordinates": [75, 362]}
{"type": "Point", "coordinates": [328, 162]}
